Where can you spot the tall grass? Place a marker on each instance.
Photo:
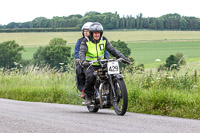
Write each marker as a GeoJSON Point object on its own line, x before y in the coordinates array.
{"type": "Point", "coordinates": [171, 94]}
{"type": "Point", "coordinates": [162, 93]}
{"type": "Point", "coordinates": [39, 84]}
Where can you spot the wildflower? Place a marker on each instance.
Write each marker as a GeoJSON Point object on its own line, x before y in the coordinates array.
{"type": "Point", "coordinates": [15, 63]}
{"type": "Point", "coordinates": [157, 78]}
{"type": "Point", "coordinates": [152, 81]}
{"type": "Point", "coordinates": [37, 68]}
{"type": "Point", "coordinates": [170, 77]}
{"type": "Point", "coordinates": [61, 63]}
{"type": "Point", "coordinates": [195, 86]}
{"type": "Point", "coordinates": [174, 65]}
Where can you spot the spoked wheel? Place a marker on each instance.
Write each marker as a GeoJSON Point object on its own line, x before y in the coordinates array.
{"type": "Point", "coordinates": [120, 103]}
{"type": "Point", "coordinates": [93, 108]}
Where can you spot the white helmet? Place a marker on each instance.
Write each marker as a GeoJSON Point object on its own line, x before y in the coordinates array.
{"type": "Point", "coordinates": [86, 26]}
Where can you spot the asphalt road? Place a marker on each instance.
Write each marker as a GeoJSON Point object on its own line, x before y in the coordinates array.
{"type": "Point", "coordinates": [34, 117]}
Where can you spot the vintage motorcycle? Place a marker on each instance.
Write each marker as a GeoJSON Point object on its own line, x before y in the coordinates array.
{"type": "Point", "coordinates": [109, 89]}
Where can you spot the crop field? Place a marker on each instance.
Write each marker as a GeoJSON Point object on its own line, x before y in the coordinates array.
{"type": "Point", "coordinates": [146, 46]}
{"type": "Point", "coordinates": [43, 38]}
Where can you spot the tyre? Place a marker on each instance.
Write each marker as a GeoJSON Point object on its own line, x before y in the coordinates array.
{"type": "Point", "coordinates": [120, 103]}
{"type": "Point", "coordinates": [93, 108]}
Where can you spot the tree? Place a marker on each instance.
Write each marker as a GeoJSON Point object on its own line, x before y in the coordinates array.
{"type": "Point", "coordinates": [172, 21]}
{"type": "Point", "coordinates": [181, 58]}
{"type": "Point", "coordinates": [57, 41]}
{"type": "Point", "coordinates": [139, 21]}
{"type": "Point", "coordinates": [122, 47]}
{"type": "Point", "coordinates": [92, 13]}
{"type": "Point", "coordinates": [183, 24]}
{"type": "Point", "coordinates": [172, 62]}
{"type": "Point", "coordinates": [12, 25]}
{"type": "Point", "coordinates": [10, 53]}
{"type": "Point", "coordinates": [40, 22]}
{"type": "Point", "coordinates": [175, 61]}
{"type": "Point", "coordinates": [55, 54]}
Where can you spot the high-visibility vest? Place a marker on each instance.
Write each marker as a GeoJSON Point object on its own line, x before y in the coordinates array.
{"type": "Point", "coordinates": [95, 50]}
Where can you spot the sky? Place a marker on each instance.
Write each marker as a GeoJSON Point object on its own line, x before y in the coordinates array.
{"type": "Point", "coordinates": [27, 10]}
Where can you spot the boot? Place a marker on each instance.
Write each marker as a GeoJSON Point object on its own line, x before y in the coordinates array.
{"type": "Point", "coordinates": [88, 100]}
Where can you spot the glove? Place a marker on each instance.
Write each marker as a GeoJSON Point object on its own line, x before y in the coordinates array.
{"type": "Point", "coordinates": [77, 61]}
{"type": "Point", "coordinates": [85, 63]}
{"type": "Point", "coordinates": [126, 60]}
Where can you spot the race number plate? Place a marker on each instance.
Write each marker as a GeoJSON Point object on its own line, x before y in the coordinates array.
{"type": "Point", "coordinates": [113, 67]}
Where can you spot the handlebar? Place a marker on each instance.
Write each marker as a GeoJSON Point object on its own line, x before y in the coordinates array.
{"type": "Point", "coordinates": [107, 60]}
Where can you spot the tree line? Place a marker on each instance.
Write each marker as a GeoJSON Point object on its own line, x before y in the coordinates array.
{"type": "Point", "coordinates": [110, 21]}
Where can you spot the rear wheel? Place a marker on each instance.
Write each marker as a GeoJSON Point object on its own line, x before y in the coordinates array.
{"type": "Point", "coordinates": [93, 108]}
{"type": "Point", "coordinates": [120, 103]}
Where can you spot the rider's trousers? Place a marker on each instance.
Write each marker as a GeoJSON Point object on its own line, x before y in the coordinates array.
{"type": "Point", "coordinates": [90, 79]}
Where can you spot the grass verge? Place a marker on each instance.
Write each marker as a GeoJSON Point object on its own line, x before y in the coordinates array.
{"type": "Point", "coordinates": [165, 93]}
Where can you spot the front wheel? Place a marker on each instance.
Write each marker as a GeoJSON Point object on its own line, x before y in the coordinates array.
{"type": "Point", "coordinates": [120, 103]}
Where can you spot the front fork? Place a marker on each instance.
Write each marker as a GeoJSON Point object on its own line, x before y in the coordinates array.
{"type": "Point", "coordinates": [112, 88]}
{"type": "Point", "coordinates": [117, 76]}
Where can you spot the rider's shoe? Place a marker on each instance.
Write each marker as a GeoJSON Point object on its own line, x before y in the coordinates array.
{"type": "Point", "coordinates": [83, 94]}
{"type": "Point", "coordinates": [88, 100]}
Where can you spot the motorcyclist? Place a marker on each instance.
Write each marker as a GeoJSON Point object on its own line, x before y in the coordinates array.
{"type": "Point", "coordinates": [80, 77]}
{"type": "Point", "coordinates": [92, 48]}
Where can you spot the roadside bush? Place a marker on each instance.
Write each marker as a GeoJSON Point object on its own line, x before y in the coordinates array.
{"type": "Point", "coordinates": [10, 53]}
{"type": "Point", "coordinates": [132, 67]}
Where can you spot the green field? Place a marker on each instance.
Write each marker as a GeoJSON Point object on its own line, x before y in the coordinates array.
{"type": "Point", "coordinates": [147, 52]}
{"type": "Point", "coordinates": [146, 46]}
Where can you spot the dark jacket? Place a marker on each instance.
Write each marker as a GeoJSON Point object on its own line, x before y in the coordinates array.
{"type": "Point", "coordinates": [109, 48]}
{"type": "Point", "coordinates": [77, 49]}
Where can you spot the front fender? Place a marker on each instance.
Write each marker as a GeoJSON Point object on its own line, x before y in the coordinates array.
{"type": "Point", "coordinates": [118, 76]}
